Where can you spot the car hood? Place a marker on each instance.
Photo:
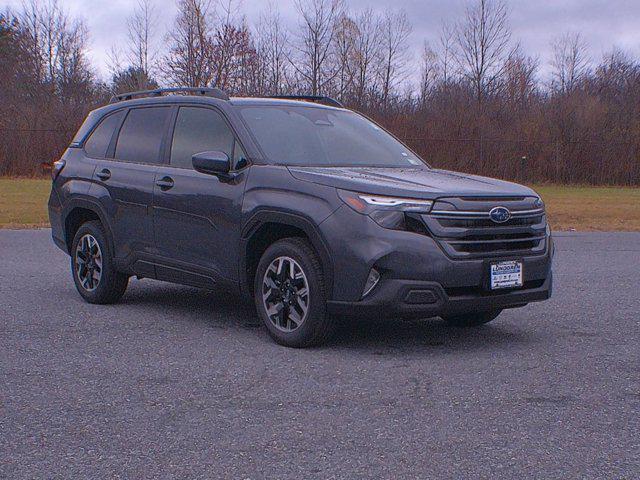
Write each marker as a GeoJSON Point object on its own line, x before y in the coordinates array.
{"type": "Point", "coordinates": [408, 182]}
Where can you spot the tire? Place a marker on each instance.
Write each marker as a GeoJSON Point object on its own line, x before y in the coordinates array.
{"type": "Point", "coordinates": [474, 319]}
{"type": "Point", "coordinates": [277, 291]}
{"type": "Point", "coordinates": [105, 284]}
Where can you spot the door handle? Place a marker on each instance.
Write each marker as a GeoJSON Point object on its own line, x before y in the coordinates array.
{"type": "Point", "coordinates": [104, 174]}
{"type": "Point", "coordinates": [165, 183]}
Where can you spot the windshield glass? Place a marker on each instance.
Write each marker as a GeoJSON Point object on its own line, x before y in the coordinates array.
{"type": "Point", "coordinates": [312, 136]}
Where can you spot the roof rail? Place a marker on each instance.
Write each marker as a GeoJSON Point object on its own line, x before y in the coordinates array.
{"type": "Point", "coordinates": [331, 102]}
{"type": "Point", "coordinates": [158, 92]}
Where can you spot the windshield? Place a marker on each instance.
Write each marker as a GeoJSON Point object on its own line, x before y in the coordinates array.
{"type": "Point", "coordinates": [312, 136]}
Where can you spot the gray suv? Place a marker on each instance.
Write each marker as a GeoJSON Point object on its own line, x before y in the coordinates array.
{"type": "Point", "coordinates": [308, 208]}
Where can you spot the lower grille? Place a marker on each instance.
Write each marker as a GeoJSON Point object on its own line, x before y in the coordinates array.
{"type": "Point", "coordinates": [483, 292]}
{"type": "Point", "coordinates": [484, 246]}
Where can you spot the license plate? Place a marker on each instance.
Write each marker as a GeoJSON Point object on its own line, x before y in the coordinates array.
{"type": "Point", "coordinates": [506, 275]}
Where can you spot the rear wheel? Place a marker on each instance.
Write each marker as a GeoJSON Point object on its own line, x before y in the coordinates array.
{"type": "Point", "coordinates": [290, 295]}
{"type": "Point", "coordinates": [92, 266]}
{"type": "Point", "coordinates": [472, 319]}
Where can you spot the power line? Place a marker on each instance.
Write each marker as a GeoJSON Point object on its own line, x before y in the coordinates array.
{"type": "Point", "coordinates": [35, 130]}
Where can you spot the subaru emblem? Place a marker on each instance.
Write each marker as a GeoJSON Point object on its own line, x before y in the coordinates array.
{"type": "Point", "coordinates": [500, 214]}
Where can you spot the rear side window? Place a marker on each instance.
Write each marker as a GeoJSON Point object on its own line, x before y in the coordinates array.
{"type": "Point", "coordinates": [199, 130]}
{"type": "Point", "coordinates": [98, 143]}
{"type": "Point", "coordinates": [85, 128]}
{"type": "Point", "coordinates": [141, 135]}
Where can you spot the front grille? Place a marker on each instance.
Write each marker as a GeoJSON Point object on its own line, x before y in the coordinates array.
{"type": "Point", "coordinates": [464, 229]}
{"type": "Point", "coordinates": [479, 222]}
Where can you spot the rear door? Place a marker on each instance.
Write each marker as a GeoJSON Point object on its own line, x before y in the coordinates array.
{"type": "Point", "coordinates": [197, 216]}
{"type": "Point", "coordinates": [127, 180]}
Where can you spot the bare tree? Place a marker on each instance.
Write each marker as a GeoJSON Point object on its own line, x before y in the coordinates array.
{"type": "Point", "coordinates": [130, 79]}
{"type": "Point", "coordinates": [446, 44]}
{"type": "Point", "coordinates": [519, 83]}
{"type": "Point", "coordinates": [344, 40]}
{"type": "Point", "coordinates": [314, 46]}
{"type": "Point", "coordinates": [395, 30]}
{"type": "Point", "coordinates": [235, 59]}
{"type": "Point", "coordinates": [570, 62]}
{"type": "Point", "coordinates": [132, 68]}
{"type": "Point", "coordinates": [141, 30]}
{"type": "Point", "coordinates": [366, 53]}
{"type": "Point", "coordinates": [47, 84]}
{"type": "Point", "coordinates": [429, 73]}
{"type": "Point", "coordinates": [225, 43]}
{"type": "Point", "coordinates": [482, 41]}
{"type": "Point", "coordinates": [249, 71]}
{"type": "Point", "coordinates": [188, 62]}
{"type": "Point", "coordinates": [273, 48]}
{"type": "Point", "coordinates": [55, 44]}
{"type": "Point", "coordinates": [617, 72]}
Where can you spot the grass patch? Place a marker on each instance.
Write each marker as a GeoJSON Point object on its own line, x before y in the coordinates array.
{"type": "Point", "coordinates": [23, 204]}
{"type": "Point", "coordinates": [603, 209]}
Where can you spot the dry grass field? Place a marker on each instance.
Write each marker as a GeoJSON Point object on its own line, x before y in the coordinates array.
{"type": "Point", "coordinates": [23, 204]}
{"type": "Point", "coordinates": [592, 208]}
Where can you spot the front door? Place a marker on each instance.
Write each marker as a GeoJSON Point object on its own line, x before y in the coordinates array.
{"type": "Point", "coordinates": [197, 216]}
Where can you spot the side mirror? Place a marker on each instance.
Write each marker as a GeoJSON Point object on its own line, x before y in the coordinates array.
{"type": "Point", "coordinates": [212, 163]}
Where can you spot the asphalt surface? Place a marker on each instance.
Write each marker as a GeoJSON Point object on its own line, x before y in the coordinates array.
{"type": "Point", "coordinates": [175, 382]}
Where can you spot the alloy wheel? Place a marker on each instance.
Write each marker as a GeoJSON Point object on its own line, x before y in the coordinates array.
{"type": "Point", "coordinates": [285, 294]}
{"type": "Point", "coordinates": [88, 261]}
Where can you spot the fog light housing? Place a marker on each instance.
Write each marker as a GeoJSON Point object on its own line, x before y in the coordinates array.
{"type": "Point", "coordinates": [372, 281]}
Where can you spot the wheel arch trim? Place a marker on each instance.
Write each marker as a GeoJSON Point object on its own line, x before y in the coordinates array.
{"type": "Point", "coordinates": [301, 222]}
{"type": "Point", "coordinates": [87, 204]}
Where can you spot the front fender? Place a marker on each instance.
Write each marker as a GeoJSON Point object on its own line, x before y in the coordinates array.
{"type": "Point", "coordinates": [273, 195]}
{"type": "Point", "coordinates": [266, 215]}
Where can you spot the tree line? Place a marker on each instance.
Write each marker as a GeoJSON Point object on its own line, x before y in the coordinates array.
{"type": "Point", "coordinates": [473, 101]}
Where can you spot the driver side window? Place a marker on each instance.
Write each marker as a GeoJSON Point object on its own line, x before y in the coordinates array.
{"type": "Point", "coordinates": [199, 130]}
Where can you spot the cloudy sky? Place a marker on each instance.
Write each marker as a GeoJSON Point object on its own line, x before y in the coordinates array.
{"type": "Point", "coordinates": [535, 23]}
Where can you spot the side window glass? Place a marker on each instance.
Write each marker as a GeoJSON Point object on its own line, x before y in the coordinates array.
{"type": "Point", "coordinates": [141, 134]}
{"type": "Point", "coordinates": [199, 130]}
{"type": "Point", "coordinates": [98, 143]}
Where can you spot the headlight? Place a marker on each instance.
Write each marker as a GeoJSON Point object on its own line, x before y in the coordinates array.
{"type": "Point", "coordinates": [388, 212]}
{"type": "Point", "coordinates": [366, 204]}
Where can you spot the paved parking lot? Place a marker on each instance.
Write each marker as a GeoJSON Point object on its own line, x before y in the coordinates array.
{"type": "Point", "coordinates": [175, 382]}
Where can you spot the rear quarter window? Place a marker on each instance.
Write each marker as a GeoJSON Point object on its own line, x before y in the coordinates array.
{"type": "Point", "coordinates": [98, 142]}
{"type": "Point", "coordinates": [86, 126]}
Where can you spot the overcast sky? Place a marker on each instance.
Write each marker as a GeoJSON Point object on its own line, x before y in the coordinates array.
{"type": "Point", "coordinates": [535, 23]}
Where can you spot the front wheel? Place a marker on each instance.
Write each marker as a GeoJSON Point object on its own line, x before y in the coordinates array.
{"type": "Point", "coordinates": [93, 268]}
{"type": "Point", "coordinates": [472, 319]}
{"type": "Point", "coordinates": [290, 294]}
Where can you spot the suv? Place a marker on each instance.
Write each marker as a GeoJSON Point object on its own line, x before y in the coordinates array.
{"type": "Point", "coordinates": [310, 209]}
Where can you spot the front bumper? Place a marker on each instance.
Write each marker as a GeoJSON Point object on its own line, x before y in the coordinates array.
{"type": "Point", "coordinates": [418, 279]}
{"type": "Point", "coordinates": [422, 299]}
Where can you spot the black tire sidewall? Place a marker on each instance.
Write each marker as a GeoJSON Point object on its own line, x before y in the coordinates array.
{"type": "Point", "coordinates": [111, 280]}
{"type": "Point", "coordinates": [312, 331]}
